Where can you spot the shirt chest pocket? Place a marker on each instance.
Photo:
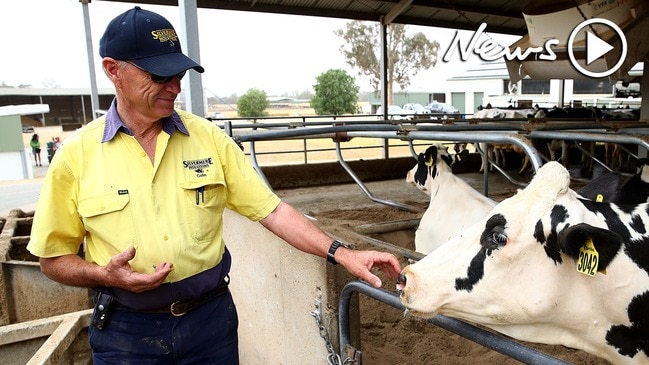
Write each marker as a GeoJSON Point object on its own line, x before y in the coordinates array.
{"type": "Point", "coordinates": [204, 202]}
{"type": "Point", "coordinates": [109, 218]}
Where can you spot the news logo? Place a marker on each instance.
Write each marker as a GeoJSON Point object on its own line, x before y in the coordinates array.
{"type": "Point", "coordinates": [580, 54]}
{"type": "Point", "coordinates": [596, 47]}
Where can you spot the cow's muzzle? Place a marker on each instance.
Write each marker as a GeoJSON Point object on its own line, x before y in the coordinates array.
{"type": "Point", "coordinates": [401, 283]}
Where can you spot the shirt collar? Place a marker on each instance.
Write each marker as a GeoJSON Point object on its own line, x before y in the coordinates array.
{"type": "Point", "coordinates": [114, 124]}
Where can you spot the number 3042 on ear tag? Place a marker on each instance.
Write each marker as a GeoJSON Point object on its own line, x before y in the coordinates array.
{"type": "Point", "coordinates": [588, 259]}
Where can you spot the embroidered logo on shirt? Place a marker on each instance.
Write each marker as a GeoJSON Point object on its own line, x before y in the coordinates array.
{"type": "Point", "coordinates": [198, 166]}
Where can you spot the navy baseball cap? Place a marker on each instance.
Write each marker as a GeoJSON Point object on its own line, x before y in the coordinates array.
{"type": "Point", "coordinates": [148, 40]}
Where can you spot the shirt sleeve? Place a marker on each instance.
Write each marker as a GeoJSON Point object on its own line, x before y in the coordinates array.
{"type": "Point", "coordinates": [52, 236]}
{"type": "Point", "coordinates": [247, 192]}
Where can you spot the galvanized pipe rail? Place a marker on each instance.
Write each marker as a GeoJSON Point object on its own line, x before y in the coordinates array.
{"type": "Point", "coordinates": [626, 136]}
{"type": "Point", "coordinates": [485, 338]}
{"type": "Point", "coordinates": [367, 192]}
{"type": "Point", "coordinates": [396, 132]}
{"type": "Point", "coordinates": [521, 124]}
{"type": "Point", "coordinates": [442, 133]}
{"type": "Point", "coordinates": [387, 132]}
{"type": "Point", "coordinates": [478, 136]}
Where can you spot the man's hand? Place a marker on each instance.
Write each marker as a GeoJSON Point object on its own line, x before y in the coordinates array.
{"type": "Point", "coordinates": [121, 275]}
{"type": "Point", "coordinates": [74, 270]}
{"type": "Point", "coordinates": [359, 264]}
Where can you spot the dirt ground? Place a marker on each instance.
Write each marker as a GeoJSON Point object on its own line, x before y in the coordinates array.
{"type": "Point", "coordinates": [387, 337]}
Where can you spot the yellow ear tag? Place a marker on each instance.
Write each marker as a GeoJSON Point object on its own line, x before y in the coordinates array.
{"type": "Point", "coordinates": [588, 259]}
{"type": "Point", "coordinates": [459, 157]}
{"type": "Point", "coordinates": [599, 198]}
{"type": "Point", "coordinates": [429, 163]}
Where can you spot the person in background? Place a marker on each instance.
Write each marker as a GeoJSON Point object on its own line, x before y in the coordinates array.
{"type": "Point", "coordinates": [140, 192]}
{"type": "Point", "coordinates": [35, 144]}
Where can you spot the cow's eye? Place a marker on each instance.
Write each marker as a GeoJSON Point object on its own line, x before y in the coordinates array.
{"type": "Point", "coordinates": [494, 236]}
{"type": "Point", "coordinates": [499, 238]}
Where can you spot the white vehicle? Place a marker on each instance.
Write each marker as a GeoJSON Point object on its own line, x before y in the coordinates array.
{"type": "Point", "coordinates": [216, 115]}
{"type": "Point", "coordinates": [416, 108]}
{"type": "Point", "coordinates": [395, 112]}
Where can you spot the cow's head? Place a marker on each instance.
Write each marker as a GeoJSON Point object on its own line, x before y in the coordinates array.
{"type": "Point", "coordinates": [430, 164]}
{"type": "Point", "coordinates": [516, 271]}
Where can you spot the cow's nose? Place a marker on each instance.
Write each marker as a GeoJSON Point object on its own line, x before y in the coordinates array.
{"type": "Point", "coordinates": [401, 279]}
{"type": "Point", "coordinates": [401, 284]}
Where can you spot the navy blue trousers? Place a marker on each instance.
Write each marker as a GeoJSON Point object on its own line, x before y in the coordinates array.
{"type": "Point", "coordinates": [207, 335]}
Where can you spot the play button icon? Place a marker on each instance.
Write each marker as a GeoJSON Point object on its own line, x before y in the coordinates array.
{"type": "Point", "coordinates": [596, 47]}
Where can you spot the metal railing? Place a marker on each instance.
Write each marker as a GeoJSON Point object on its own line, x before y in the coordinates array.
{"type": "Point", "coordinates": [518, 132]}
{"type": "Point", "coordinates": [485, 338]}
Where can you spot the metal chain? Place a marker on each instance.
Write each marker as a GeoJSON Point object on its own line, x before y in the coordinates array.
{"type": "Point", "coordinates": [332, 357]}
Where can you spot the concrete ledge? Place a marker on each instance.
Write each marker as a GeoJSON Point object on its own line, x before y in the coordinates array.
{"type": "Point", "coordinates": [275, 288]}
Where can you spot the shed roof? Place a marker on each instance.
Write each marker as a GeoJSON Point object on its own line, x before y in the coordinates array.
{"type": "Point", "coordinates": [501, 16]}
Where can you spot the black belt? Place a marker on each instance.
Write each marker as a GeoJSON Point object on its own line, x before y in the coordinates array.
{"type": "Point", "coordinates": [181, 307]}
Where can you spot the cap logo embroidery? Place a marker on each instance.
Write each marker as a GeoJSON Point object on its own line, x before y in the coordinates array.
{"type": "Point", "coordinates": [165, 35]}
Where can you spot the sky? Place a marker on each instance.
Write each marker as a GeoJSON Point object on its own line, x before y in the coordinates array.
{"type": "Point", "coordinates": [45, 44]}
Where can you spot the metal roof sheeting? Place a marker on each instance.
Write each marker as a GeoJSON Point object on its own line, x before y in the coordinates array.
{"type": "Point", "coordinates": [502, 16]}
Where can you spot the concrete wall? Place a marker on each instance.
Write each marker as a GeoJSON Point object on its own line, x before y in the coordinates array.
{"type": "Point", "coordinates": [25, 293]}
{"type": "Point", "coordinates": [275, 288]}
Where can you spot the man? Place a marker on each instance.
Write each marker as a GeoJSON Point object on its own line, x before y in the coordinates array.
{"type": "Point", "coordinates": [144, 188]}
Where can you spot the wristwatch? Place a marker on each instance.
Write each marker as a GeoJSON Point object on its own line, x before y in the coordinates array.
{"type": "Point", "coordinates": [332, 250]}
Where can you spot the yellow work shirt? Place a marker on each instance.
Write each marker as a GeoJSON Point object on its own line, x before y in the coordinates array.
{"type": "Point", "coordinates": [110, 195]}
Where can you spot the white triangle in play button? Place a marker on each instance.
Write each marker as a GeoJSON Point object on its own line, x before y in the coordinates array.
{"type": "Point", "coordinates": [595, 47]}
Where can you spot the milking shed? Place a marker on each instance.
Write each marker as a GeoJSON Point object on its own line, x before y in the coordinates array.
{"type": "Point", "coordinates": [269, 311]}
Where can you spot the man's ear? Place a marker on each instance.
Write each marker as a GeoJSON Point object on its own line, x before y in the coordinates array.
{"type": "Point", "coordinates": [114, 70]}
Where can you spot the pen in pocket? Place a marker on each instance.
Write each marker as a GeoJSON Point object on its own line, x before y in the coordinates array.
{"type": "Point", "coordinates": [200, 195]}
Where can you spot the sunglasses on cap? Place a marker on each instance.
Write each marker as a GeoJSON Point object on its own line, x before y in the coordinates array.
{"type": "Point", "coordinates": [160, 79]}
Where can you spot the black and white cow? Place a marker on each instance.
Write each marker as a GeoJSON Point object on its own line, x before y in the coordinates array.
{"type": "Point", "coordinates": [454, 204]}
{"type": "Point", "coordinates": [529, 270]}
{"type": "Point", "coordinates": [636, 188]}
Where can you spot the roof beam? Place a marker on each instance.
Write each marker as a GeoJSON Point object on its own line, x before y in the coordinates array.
{"type": "Point", "coordinates": [395, 11]}
{"type": "Point", "coordinates": [447, 5]}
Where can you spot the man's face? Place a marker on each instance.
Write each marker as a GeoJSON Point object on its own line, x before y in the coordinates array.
{"type": "Point", "coordinates": [145, 96]}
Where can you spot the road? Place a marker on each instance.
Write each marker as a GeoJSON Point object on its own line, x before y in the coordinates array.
{"type": "Point", "coordinates": [22, 194]}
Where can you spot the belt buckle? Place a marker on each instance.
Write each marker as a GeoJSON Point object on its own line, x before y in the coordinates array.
{"type": "Point", "coordinates": [176, 312]}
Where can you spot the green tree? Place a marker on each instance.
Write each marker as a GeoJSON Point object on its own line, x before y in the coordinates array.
{"type": "Point", "coordinates": [407, 55]}
{"type": "Point", "coordinates": [253, 104]}
{"type": "Point", "coordinates": [335, 93]}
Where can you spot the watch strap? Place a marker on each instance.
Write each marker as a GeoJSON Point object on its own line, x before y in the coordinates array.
{"type": "Point", "coordinates": [332, 250]}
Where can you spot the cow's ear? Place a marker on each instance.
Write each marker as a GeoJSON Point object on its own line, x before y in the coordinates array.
{"type": "Point", "coordinates": [430, 155]}
{"type": "Point", "coordinates": [607, 243]}
{"type": "Point", "coordinates": [459, 157]}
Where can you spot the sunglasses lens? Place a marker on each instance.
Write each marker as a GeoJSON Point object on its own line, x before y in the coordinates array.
{"type": "Point", "coordinates": [165, 79]}
{"type": "Point", "coordinates": [160, 79]}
